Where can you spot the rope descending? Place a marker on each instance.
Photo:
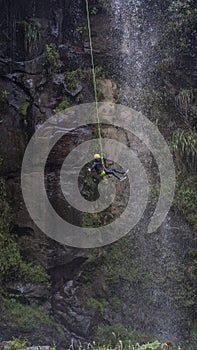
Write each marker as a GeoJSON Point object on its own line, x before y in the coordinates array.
{"type": "Point", "coordinates": [94, 79]}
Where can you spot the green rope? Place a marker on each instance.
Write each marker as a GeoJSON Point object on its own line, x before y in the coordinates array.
{"type": "Point", "coordinates": [94, 79]}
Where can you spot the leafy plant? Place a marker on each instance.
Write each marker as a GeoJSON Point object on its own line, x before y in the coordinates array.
{"type": "Point", "coordinates": [184, 144]}
{"type": "Point", "coordinates": [12, 265]}
{"type": "Point", "coordinates": [53, 63]}
{"type": "Point", "coordinates": [181, 8]}
{"type": "Point", "coordinates": [186, 197]}
{"type": "Point", "coordinates": [17, 344]}
{"type": "Point", "coordinates": [183, 103]}
{"type": "Point", "coordinates": [150, 346]}
{"type": "Point", "coordinates": [94, 10]}
{"type": "Point", "coordinates": [4, 95]}
{"type": "Point", "coordinates": [111, 336]}
{"type": "Point", "coordinates": [26, 317]}
{"type": "Point", "coordinates": [193, 337]}
{"type": "Point", "coordinates": [24, 108]}
{"type": "Point", "coordinates": [64, 104]}
{"type": "Point", "coordinates": [98, 305]}
{"type": "Point", "coordinates": [71, 79]}
{"type": "Point", "coordinates": [32, 35]}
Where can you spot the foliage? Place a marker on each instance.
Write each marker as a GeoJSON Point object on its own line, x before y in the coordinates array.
{"type": "Point", "coordinates": [94, 10]}
{"type": "Point", "coordinates": [179, 41]}
{"type": "Point", "coordinates": [12, 265]}
{"type": "Point", "coordinates": [4, 94]}
{"type": "Point", "coordinates": [150, 346]}
{"type": "Point", "coordinates": [32, 35]}
{"type": "Point", "coordinates": [111, 336]}
{"type": "Point", "coordinates": [80, 29]}
{"type": "Point", "coordinates": [128, 269]}
{"type": "Point", "coordinates": [9, 253]}
{"type": "Point", "coordinates": [71, 79]}
{"type": "Point", "coordinates": [183, 102]}
{"type": "Point", "coordinates": [24, 108]}
{"type": "Point", "coordinates": [97, 305]}
{"type": "Point", "coordinates": [26, 317]}
{"type": "Point", "coordinates": [64, 104]}
{"type": "Point", "coordinates": [183, 23]}
{"type": "Point", "coordinates": [187, 190]}
{"type": "Point", "coordinates": [193, 337]}
{"type": "Point", "coordinates": [17, 344]}
{"type": "Point", "coordinates": [186, 197]}
{"type": "Point", "coordinates": [99, 72]}
{"type": "Point", "coordinates": [33, 273]}
{"type": "Point", "coordinates": [182, 7]}
{"type": "Point", "coordinates": [53, 63]}
{"type": "Point", "coordinates": [184, 144]}
{"type": "Point", "coordinates": [117, 337]}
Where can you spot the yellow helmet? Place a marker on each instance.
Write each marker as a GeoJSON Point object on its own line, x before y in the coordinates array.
{"type": "Point", "coordinates": [97, 156]}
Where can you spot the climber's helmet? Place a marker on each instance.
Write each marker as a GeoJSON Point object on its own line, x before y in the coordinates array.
{"type": "Point", "coordinates": [97, 156]}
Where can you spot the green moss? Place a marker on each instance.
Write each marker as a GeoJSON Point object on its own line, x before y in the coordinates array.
{"type": "Point", "coordinates": [12, 265]}
{"type": "Point", "coordinates": [112, 335]}
{"type": "Point", "coordinates": [94, 10]}
{"type": "Point", "coordinates": [184, 144]}
{"type": "Point", "coordinates": [114, 270]}
{"type": "Point", "coordinates": [32, 35]}
{"type": "Point", "coordinates": [115, 303]}
{"type": "Point", "coordinates": [64, 104]}
{"type": "Point", "coordinates": [24, 108]}
{"type": "Point", "coordinates": [17, 344]}
{"type": "Point", "coordinates": [9, 253]}
{"type": "Point", "coordinates": [53, 63]}
{"type": "Point", "coordinates": [71, 79]}
{"type": "Point", "coordinates": [186, 197]}
{"type": "Point", "coordinates": [60, 331]}
{"type": "Point", "coordinates": [80, 29]}
{"type": "Point", "coordinates": [97, 305]}
{"type": "Point", "coordinates": [99, 72]}
{"type": "Point", "coordinates": [33, 273]}
{"type": "Point", "coordinates": [193, 337]}
{"type": "Point", "coordinates": [192, 219]}
{"type": "Point", "coordinates": [4, 95]}
{"type": "Point", "coordinates": [26, 317]}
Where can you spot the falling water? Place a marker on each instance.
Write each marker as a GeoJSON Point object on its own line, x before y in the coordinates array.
{"type": "Point", "coordinates": [34, 8]}
{"type": "Point", "coordinates": [137, 30]}
{"type": "Point", "coordinates": [138, 26]}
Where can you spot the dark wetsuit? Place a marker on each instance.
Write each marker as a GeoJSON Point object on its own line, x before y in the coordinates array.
{"type": "Point", "coordinates": [99, 167]}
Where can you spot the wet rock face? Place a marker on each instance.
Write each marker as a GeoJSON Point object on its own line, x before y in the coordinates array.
{"type": "Point", "coordinates": [28, 96]}
{"type": "Point", "coordinates": [136, 36]}
{"type": "Point", "coordinates": [135, 281]}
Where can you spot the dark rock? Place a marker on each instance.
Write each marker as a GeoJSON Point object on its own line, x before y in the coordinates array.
{"type": "Point", "coordinates": [29, 291]}
{"type": "Point", "coordinates": [141, 281]}
{"type": "Point", "coordinates": [33, 66]}
{"type": "Point", "coordinates": [59, 80]}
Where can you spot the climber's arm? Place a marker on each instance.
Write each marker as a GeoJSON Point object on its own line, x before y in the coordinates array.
{"type": "Point", "coordinates": [92, 167]}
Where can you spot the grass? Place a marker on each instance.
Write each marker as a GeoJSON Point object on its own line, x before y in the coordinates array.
{"type": "Point", "coordinates": [26, 317]}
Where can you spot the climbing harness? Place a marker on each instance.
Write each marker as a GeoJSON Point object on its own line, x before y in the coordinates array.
{"type": "Point", "coordinates": [94, 80]}
{"type": "Point", "coordinates": [103, 173]}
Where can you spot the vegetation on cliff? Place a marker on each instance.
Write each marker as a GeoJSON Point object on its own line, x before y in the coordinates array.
{"type": "Point", "coordinates": [121, 268]}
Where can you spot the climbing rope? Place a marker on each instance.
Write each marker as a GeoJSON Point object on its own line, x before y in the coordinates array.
{"type": "Point", "coordinates": [94, 79]}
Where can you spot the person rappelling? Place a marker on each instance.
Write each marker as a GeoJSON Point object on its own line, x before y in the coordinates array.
{"type": "Point", "coordinates": [98, 164]}
{"type": "Point", "coordinates": [101, 169]}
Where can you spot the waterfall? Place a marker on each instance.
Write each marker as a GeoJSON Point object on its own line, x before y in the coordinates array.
{"type": "Point", "coordinates": [34, 8]}
{"type": "Point", "coordinates": [137, 29]}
